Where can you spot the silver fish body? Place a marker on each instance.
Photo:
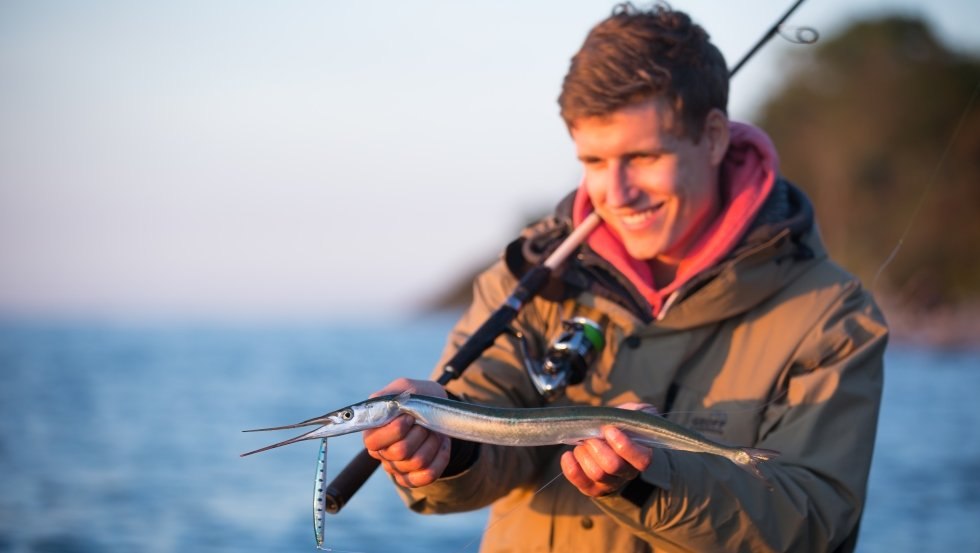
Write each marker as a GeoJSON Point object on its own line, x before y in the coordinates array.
{"type": "Point", "coordinates": [520, 426]}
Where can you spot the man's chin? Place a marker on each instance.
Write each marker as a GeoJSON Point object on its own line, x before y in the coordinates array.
{"type": "Point", "coordinates": [643, 252]}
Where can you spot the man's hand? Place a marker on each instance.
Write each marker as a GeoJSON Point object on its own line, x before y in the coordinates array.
{"type": "Point", "coordinates": [600, 467]}
{"type": "Point", "coordinates": [414, 456]}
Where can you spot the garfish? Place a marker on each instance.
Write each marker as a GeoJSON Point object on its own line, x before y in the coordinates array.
{"type": "Point", "coordinates": [533, 426]}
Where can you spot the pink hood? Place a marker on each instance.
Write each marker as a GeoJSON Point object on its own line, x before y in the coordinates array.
{"type": "Point", "coordinates": [748, 174]}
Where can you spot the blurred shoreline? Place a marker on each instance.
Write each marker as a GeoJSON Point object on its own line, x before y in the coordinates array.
{"type": "Point", "coordinates": [955, 326]}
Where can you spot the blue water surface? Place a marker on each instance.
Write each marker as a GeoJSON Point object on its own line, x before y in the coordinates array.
{"type": "Point", "coordinates": [119, 438]}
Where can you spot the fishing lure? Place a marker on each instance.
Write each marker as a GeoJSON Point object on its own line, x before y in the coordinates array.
{"type": "Point", "coordinates": [320, 494]}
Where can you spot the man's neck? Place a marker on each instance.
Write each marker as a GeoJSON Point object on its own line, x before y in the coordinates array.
{"type": "Point", "coordinates": [665, 266]}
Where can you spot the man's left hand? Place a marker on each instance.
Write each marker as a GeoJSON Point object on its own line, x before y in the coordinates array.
{"type": "Point", "coordinates": [600, 467]}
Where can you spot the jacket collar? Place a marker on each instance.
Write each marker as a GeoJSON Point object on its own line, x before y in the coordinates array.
{"type": "Point", "coordinates": [782, 229]}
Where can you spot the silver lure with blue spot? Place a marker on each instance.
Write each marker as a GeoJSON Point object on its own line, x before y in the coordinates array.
{"type": "Point", "coordinates": [320, 494]}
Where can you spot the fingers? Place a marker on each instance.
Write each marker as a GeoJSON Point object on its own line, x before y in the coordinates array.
{"type": "Point", "coordinates": [602, 466]}
{"type": "Point", "coordinates": [418, 460]}
{"type": "Point", "coordinates": [637, 456]}
{"type": "Point", "coordinates": [423, 387]}
{"type": "Point", "coordinates": [637, 406]}
{"type": "Point", "coordinates": [411, 454]}
{"type": "Point", "coordinates": [585, 475]}
{"type": "Point", "coordinates": [425, 466]}
{"type": "Point", "coordinates": [577, 477]}
{"type": "Point", "coordinates": [382, 437]}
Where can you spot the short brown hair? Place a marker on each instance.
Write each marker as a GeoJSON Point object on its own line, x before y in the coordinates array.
{"type": "Point", "coordinates": [634, 55]}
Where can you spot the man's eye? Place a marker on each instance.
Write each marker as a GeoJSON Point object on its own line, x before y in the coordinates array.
{"type": "Point", "coordinates": [641, 159]}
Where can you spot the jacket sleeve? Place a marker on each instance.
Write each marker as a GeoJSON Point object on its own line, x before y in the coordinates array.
{"type": "Point", "coordinates": [823, 424]}
{"type": "Point", "coordinates": [496, 378]}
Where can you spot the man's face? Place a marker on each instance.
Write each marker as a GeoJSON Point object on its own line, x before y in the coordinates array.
{"type": "Point", "coordinates": [656, 189]}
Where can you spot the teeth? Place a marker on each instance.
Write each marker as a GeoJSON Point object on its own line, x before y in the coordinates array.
{"type": "Point", "coordinates": [637, 218]}
{"type": "Point", "coordinates": [640, 217]}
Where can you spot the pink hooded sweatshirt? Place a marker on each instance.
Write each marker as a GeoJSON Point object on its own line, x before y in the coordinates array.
{"type": "Point", "coordinates": [748, 174]}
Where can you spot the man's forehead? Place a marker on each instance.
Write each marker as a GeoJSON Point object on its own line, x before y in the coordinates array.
{"type": "Point", "coordinates": [644, 124]}
{"type": "Point", "coordinates": [656, 110]}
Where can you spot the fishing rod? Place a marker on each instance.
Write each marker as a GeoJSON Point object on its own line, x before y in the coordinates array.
{"type": "Point", "coordinates": [362, 466]}
{"type": "Point", "coordinates": [353, 476]}
{"type": "Point", "coordinates": [804, 35]}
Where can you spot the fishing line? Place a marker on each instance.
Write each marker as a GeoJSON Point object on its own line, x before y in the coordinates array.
{"type": "Point", "coordinates": [930, 184]}
{"type": "Point", "coordinates": [508, 513]}
{"type": "Point", "coordinates": [338, 550]}
{"type": "Point", "coordinates": [486, 530]}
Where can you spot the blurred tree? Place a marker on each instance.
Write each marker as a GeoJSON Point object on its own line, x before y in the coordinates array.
{"type": "Point", "coordinates": [863, 123]}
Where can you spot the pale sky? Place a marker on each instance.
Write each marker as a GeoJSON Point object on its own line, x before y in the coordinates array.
{"type": "Point", "coordinates": [311, 159]}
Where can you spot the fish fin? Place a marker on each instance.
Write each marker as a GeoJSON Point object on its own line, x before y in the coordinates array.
{"type": "Point", "coordinates": [750, 462]}
{"type": "Point", "coordinates": [402, 397]}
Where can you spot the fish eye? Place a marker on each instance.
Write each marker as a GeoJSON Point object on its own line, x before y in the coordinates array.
{"type": "Point", "coordinates": [347, 414]}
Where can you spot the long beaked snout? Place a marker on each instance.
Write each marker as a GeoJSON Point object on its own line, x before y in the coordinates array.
{"type": "Point", "coordinates": [325, 419]}
{"type": "Point", "coordinates": [313, 434]}
{"type": "Point", "coordinates": [361, 416]}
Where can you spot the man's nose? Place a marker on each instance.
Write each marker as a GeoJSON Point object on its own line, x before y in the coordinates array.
{"type": "Point", "coordinates": [620, 189]}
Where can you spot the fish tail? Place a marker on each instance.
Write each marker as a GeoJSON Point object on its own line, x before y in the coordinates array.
{"type": "Point", "coordinates": [748, 458]}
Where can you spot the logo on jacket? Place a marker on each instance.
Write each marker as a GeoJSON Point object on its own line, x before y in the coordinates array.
{"type": "Point", "coordinates": [712, 422]}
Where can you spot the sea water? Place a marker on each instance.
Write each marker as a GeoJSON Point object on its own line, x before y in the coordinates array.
{"type": "Point", "coordinates": [126, 437]}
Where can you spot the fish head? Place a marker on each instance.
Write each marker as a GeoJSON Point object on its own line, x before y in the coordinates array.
{"type": "Point", "coordinates": [367, 414]}
{"type": "Point", "coordinates": [355, 418]}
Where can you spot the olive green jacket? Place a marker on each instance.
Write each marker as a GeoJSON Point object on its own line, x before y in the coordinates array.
{"type": "Point", "coordinates": [776, 347]}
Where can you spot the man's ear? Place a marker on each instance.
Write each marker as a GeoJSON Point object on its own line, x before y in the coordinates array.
{"type": "Point", "coordinates": [717, 134]}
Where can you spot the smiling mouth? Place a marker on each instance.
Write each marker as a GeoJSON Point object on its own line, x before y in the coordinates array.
{"type": "Point", "coordinates": [639, 219]}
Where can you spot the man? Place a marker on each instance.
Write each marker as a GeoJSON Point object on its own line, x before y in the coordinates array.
{"type": "Point", "coordinates": [719, 308]}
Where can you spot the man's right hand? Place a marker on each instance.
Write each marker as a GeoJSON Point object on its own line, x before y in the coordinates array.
{"type": "Point", "coordinates": [414, 456]}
